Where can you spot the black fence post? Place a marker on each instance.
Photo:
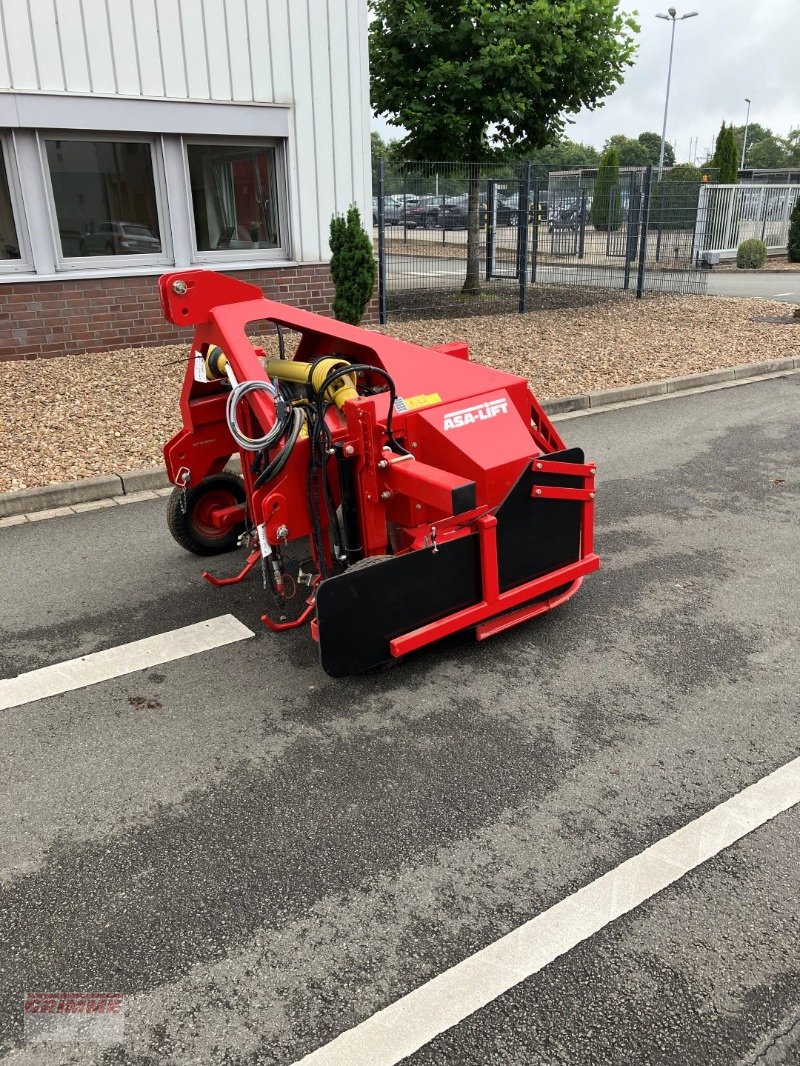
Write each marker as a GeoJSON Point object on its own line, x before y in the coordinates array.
{"type": "Point", "coordinates": [382, 315]}
{"type": "Point", "coordinates": [490, 217]}
{"type": "Point", "coordinates": [405, 205]}
{"type": "Point", "coordinates": [631, 231]}
{"type": "Point", "coordinates": [582, 223]}
{"type": "Point", "coordinates": [645, 213]}
{"type": "Point", "coordinates": [522, 230]}
{"type": "Point", "coordinates": [535, 230]}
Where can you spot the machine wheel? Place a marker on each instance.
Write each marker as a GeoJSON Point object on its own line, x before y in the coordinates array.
{"type": "Point", "coordinates": [429, 222]}
{"type": "Point", "coordinates": [194, 530]}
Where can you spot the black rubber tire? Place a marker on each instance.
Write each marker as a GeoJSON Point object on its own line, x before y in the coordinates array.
{"type": "Point", "coordinates": [183, 527]}
{"type": "Point", "coordinates": [429, 222]}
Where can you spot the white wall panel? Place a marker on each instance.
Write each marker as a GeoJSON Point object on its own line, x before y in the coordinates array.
{"type": "Point", "coordinates": [238, 50]}
{"type": "Point", "coordinates": [322, 117]}
{"type": "Point", "coordinates": [260, 62]}
{"type": "Point", "coordinates": [73, 46]}
{"type": "Point", "coordinates": [304, 139]}
{"type": "Point", "coordinates": [19, 45]}
{"type": "Point", "coordinates": [217, 38]}
{"type": "Point", "coordinates": [126, 61]}
{"type": "Point", "coordinates": [194, 49]}
{"type": "Point", "coordinates": [148, 46]}
{"type": "Point", "coordinates": [280, 56]}
{"type": "Point", "coordinates": [48, 50]}
{"type": "Point", "coordinates": [172, 55]}
{"type": "Point", "coordinates": [98, 47]}
{"type": "Point", "coordinates": [339, 111]}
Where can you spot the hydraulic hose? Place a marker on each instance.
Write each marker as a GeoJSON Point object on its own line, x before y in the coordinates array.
{"type": "Point", "coordinates": [254, 444]}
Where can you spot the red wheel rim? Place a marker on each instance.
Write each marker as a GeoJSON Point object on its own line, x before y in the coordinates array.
{"type": "Point", "coordinates": [202, 513]}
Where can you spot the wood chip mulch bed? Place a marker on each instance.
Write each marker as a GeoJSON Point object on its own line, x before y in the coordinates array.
{"type": "Point", "coordinates": [83, 415]}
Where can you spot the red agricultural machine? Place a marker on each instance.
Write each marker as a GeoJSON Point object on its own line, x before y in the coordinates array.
{"type": "Point", "coordinates": [430, 494]}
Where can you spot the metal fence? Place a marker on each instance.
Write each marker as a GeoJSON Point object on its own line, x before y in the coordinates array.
{"type": "Point", "coordinates": [536, 237]}
{"type": "Point", "coordinates": [730, 214]}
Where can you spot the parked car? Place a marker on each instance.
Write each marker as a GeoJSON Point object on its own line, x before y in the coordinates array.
{"type": "Point", "coordinates": [450, 212]}
{"type": "Point", "coordinates": [119, 238]}
{"type": "Point", "coordinates": [394, 213]}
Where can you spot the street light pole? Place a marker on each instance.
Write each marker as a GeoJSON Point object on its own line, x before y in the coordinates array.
{"type": "Point", "coordinates": [746, 127]}
{"type": "Point", "coordinates": [671, 17]}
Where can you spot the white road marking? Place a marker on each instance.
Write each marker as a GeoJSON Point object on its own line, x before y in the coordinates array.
{"type": "Point", "coordinates": [413, 1021]}
{"type": "Point", "coordinates": [124, 659]}
{"type": "Point", "coordinates": [784, 294]}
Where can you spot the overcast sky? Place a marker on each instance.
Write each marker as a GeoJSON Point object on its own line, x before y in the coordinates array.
{"type": "Point", "coordinates": [733, 49]}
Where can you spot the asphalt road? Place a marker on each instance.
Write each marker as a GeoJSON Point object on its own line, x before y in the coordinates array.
{"type": "Point", "coordinates": [408, 272]}
{"type": "Point", "coordinates": [260, 857]}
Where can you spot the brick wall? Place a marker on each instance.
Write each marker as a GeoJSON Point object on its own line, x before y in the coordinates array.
{"type": "Point", "coordinates": [50, 318]}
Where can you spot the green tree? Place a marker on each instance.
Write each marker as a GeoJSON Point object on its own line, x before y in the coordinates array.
{"type": "Point", "coordinates": [631, 152]}
{"type": "Point", "coordinates": [755, 133]}
{"type": "Point", "coordinates": [725, 161]}
{"type": "Point", "coordinates": [353, 266]}
{"type": "Point", "coordinates": [769, 153]}
{"type": "Point", "coordinates": [793, 148]}
{"type": "Point", "coordinates": [467, 76]}
{"type": "Point", "coordinates": [377, 146]}
{"type": "Point", "coordinates": [793, 249]}
{"type": "Point", "coordinates": [606, 206]}
{"type": "Point", "coordinates": [651, 142]}
{"type": "Point", "coordinates": [674, 200]}
{"type": "Point", "coordinates": [563, 154]}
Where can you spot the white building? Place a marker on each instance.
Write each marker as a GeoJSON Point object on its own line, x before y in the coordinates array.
{"type": "Point", "coordinates": [138, 135]}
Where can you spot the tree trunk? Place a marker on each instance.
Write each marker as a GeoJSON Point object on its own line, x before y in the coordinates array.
{"type": "Point", "coordinates": [472, 282]}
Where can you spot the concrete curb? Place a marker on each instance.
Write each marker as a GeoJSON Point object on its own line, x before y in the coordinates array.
{"type": "Point", "coordinates": [607, 397]}
{"type": "Point", "coordinates": [133, 485]}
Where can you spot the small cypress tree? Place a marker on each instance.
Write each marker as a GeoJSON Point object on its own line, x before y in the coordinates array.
{"type": "Point", "coordinates": [674, 199]}
{"type": "Point", "coordinates": [353, 266]}
{"type": "Point", "coordinates": [728, 161]}
{"type": "Point", "coordinates": [606, 203]}
{"type": "Point", "coordinates": [793, 248]}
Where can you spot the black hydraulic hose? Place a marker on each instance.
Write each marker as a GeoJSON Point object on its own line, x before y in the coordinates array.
{"type": "Point", "coordinates": [274, 468]}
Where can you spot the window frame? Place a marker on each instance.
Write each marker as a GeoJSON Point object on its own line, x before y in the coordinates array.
{"type": "Point", "coordinates": [244, 255]}
{"type": "Point", "coordinates": [107, 263]}
{"type": "Point", "coordinates": [23, 265]}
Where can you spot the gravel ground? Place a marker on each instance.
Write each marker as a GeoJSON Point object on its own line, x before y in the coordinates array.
{"type": "Point", "coordinates": [82, 415]}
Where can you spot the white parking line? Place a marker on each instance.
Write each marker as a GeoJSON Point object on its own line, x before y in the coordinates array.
{"type": "Point", "coordinates": [413, 1021]}
{"type": "Point", "coordinates": [124, 659]}
{"type": "Point", "coordinates": [784, 294]}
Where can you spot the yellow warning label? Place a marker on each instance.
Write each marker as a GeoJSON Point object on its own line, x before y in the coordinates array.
{"type": "Point", "coordinates": [413, 403]}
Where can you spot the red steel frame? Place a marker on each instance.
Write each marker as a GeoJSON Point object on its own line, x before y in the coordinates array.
{"type": "Point", "coordinates": [413, 496]}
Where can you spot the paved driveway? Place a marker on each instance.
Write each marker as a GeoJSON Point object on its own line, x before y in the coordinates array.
{"type": "Point", "coordinates": [259, 857]}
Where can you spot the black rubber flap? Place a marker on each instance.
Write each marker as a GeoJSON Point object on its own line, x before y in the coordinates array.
{"type": "Point", "coordinates": [361, 610]}
{"type": "Point", "coordinates": [536, 536]}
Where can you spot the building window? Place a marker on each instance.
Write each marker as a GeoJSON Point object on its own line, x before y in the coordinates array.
{"type": "Point", "coordinates": [105, 197]}
{"type": "Point", "coordinates": [14, 254]}
{"type": "Point", "coordinates": [235, 199]}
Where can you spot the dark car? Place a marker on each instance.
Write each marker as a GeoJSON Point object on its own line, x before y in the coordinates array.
{"type": "Point", "coordinates": [119, 238]}
{"type": "Point", "coordinates": [449, 212]}
{"type": "Point", "coordinates": [393, 211]}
